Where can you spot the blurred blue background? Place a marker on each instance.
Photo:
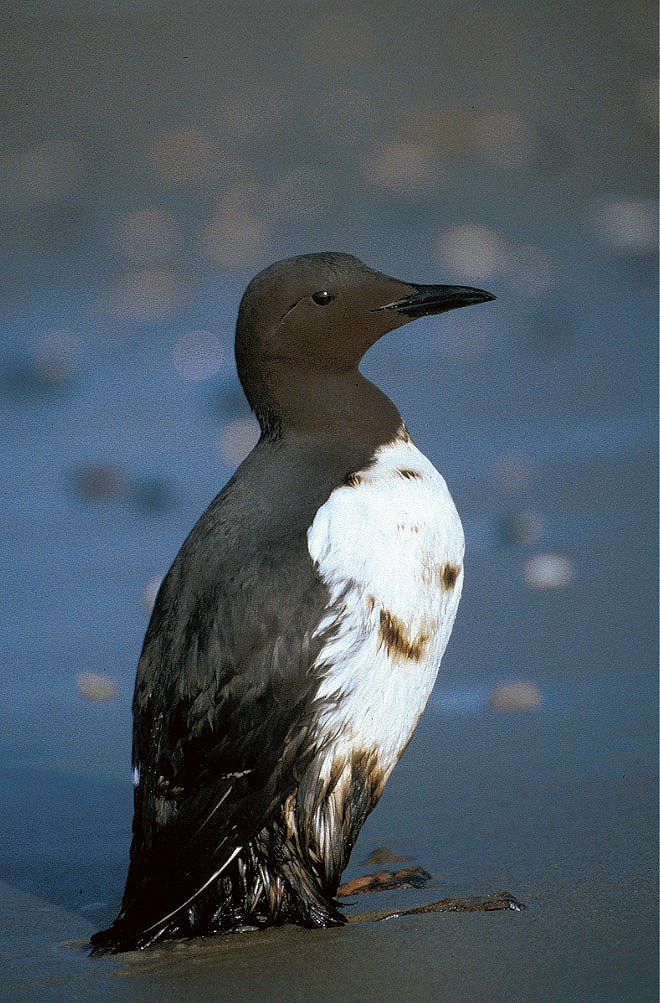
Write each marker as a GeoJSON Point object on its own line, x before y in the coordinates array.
{"type": "Point", "coordinates": [153, 158]}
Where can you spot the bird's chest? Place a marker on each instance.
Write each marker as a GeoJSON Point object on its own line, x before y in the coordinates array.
{"type": "Point", "coordinates": [389, 547]}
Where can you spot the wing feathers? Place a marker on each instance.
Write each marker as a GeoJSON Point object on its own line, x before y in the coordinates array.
{"type": "Point", "coordinates": [222, 708]}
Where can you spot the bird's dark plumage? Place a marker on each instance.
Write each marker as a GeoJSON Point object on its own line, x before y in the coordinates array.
{"type": "Point", "coordinates": [242, 815]}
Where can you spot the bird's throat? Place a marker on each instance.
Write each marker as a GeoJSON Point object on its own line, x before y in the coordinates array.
{"type": "Point", "coordinates": [346, 407]}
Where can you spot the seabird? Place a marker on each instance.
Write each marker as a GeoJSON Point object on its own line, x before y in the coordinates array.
{"type": "Point", "coordinates": [297, 636]}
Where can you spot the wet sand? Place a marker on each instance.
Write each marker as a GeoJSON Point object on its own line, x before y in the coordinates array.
{"type": "Point", "coordinates": [514, 150]}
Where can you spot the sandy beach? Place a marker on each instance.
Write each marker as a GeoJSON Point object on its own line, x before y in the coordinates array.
{"type": "Point", "coordinates": [143, 192]}
{"type": "Point", "coordinates": [554, 803]}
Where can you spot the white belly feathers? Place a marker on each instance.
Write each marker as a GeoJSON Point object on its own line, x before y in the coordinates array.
{"type": "Point", "coordinates": [389, 545]}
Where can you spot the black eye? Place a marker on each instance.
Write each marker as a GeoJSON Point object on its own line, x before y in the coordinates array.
{"type": "Point", "coordinates": [322, 297]}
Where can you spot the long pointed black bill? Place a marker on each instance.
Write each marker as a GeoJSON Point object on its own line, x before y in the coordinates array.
{"type": "Point", "coordinates": [427, 300]}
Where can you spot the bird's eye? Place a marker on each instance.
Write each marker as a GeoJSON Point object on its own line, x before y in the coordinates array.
{"type": "Point", "coordinates": [322, 297]}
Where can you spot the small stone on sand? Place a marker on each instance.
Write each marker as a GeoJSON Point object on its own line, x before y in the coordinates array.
{"type": "Point", "coordinates": [95, 687]}
{"type": "Point", "coordinates": [548, 571]}
{"type": "Point", "coordinates": [518, 695]}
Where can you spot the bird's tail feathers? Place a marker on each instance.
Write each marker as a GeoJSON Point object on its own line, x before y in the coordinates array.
{"type": "Point", "coordinates": [125, 934]}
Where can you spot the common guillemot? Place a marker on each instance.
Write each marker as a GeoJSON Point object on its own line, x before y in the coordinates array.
{"type": "Point", "coordinates": [297, 636]}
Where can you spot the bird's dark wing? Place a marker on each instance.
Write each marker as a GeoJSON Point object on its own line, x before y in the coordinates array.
{"type": "Point", "coordinates": [221, 713]}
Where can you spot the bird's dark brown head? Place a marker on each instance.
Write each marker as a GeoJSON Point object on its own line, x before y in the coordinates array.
{"type": "Point", "coordinates": [307, 321]}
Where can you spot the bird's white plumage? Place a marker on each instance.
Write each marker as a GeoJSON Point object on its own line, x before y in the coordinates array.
{"type": "Point", "coordinates": [389, 545]}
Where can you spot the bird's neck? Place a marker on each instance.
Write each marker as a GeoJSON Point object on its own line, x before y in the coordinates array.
{"type": "Point", "coordinates": [344, 407]}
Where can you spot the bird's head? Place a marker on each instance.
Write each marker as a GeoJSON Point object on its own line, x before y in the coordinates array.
{"type": "Point", "coordinates": [315, 316]}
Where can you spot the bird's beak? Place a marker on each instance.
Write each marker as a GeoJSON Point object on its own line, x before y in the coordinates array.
{"type": "Point", "coordinates": [426, 300]}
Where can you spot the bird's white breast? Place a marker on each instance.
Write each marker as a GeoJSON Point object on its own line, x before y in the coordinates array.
{"type": "Point", "coordinates": [389, 546]}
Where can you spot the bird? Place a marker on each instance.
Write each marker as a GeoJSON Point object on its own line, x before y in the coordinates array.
{"type": "Point", "coordinates": [296, 638]}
